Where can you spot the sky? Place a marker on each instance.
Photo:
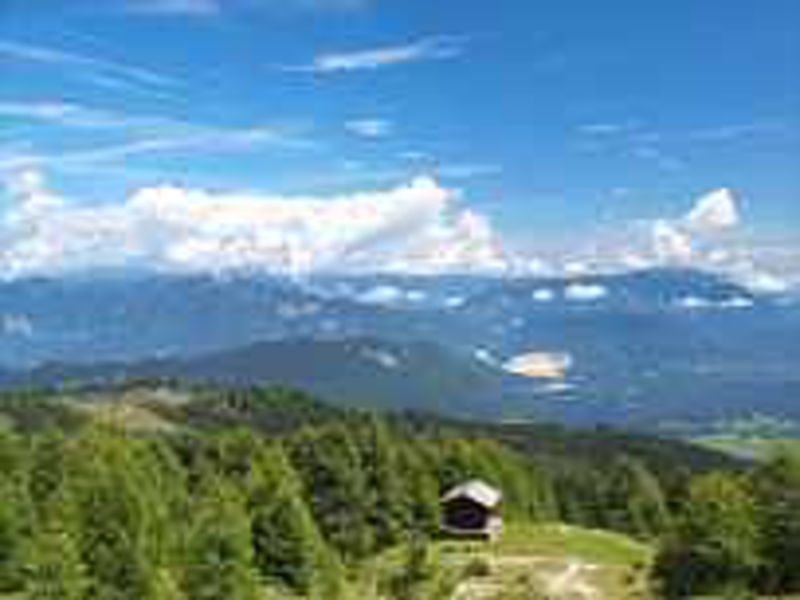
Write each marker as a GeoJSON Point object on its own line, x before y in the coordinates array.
{"type": "Point", "coordinates": [401, 136]}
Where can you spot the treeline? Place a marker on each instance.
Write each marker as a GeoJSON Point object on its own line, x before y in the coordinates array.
{"type": "Point", "coordinates": [736, 534]}
{"type": "Point", "coordinates": [104, 514]}
{"type": "Point", "coordinates": [251, 490]}
{"type": "Point", "coordinates": [295, 502]}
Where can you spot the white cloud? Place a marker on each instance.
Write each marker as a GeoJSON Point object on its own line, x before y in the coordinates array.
{"type": "Point", "coordinates": [543, 295]}
{"type": "Point", "coordinates": [698, 303]}
{"type": "Point", "coordinates": [381, 357]}
{"type": "Point", "coordinates": [576, 268]}
{"type": "Point", "coordinates": [738, 302]}
{"type": "Point", "coordinates": [370, 128]}
{"type": "Point", "coordinates": [603, 129]}
{"type": "Point", "coordinates": [79, 116]}
{"type": "Point", "coordinates": [175, 7]}
{"type": "Point", "coordinates": [382, 294]}
{"type": "Point", "coordinates": [694, 303]}
{"type": "Point", "coordinates": [486, 356]}
{"type": "Point", "coordinates": [585, 292]}
{"type": "Point", "coordinates": [670, 243]}
{"type": "Point", "coordinates": [416, 296]}
{"type": "Point", "coordinates": [677, 241]}
{"type": "Point", "coordinates": [454, 302]}
{"type": "Point", "coordinates": [540, 365]}
{"type": "Point", "coordinates": [762, 282]}
{"type": "Point", "coordinates": [370, 59]}
{"type": "Point", "coordinates": [85, 66]}
{"type": "Point", "coordinates": [25, 184]}
{"type": "Point", "coordinates": [729, 133]}
{"type": "Point", "coordinates": [657, 156]}
{"type": "Point", "coordinates": [716, 211]}
{"type": "Point", "coordinates": [419, 227]}
{"type": "Point", "coordinates": [16, 325]}
{"type": "Point", "coordinates": [140, 135]}
{"type": "Point", "coordinates": [209, 8]}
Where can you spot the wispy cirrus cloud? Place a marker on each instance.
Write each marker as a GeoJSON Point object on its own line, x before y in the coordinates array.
{"type": "Point", "coordinates": [207, 141]}
{"type": "Point", "coordinates": [91, 68]}
{"type": "Point", "coordinates": [64, 114]}
{"type": "Point", "coordinates": [433, 48]}
{"type": "Point", "coordinates": [603, 128]}
{"type": "Point", "coordinates": [128, 135]}
{"type": "Point", "coordinates": [174, 7]}
{"type": "Point", "coordinates": [211, 8]}
{"type": "Point", "coordinates": [736, 131]}
{"type": "Point", "coordinates": [659, 157]}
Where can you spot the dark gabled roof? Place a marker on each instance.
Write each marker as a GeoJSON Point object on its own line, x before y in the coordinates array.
{"type": "Point", "coordinates": [476, 490]}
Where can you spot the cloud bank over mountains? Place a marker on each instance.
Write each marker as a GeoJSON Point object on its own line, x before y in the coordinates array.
{"type": "Point", "coordinates": [417, 228]}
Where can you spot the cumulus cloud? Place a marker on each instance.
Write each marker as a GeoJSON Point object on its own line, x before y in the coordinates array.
{"type": "Point", "coordinates": [676, 241]}
{"type": "Point", "coordinates": [714, 212]}
{"type": "Point", "coordinates": [704, 238]}
{"type": "Point", "coordinates": [420, 227]}
{"type": "Point", "coordinates": [670, 243]}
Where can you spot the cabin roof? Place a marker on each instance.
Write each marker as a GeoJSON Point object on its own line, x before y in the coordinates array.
{"type": "Point", "coordinates": [476, 490]}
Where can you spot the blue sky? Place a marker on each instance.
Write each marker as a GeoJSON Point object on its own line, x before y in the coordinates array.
{"type": "Point", "coordinates": [552, 119]}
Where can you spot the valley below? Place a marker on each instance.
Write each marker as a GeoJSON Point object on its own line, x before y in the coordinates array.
{"type": "Point", "coordinates": [674, 352]}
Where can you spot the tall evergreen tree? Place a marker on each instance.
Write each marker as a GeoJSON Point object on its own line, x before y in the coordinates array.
{"type": "Point", "coordinates": [333, 479]}
{"type": "Point", "coordinates": [777, 487]}
{"type": "Point", "coordinates": [219, 561]}
{"type": "Point", "coordinates": [717, 541]}
{"type": "Point", "coordinates": [55, 569]}
{"type": "Point", "coordinates": [287, 546]}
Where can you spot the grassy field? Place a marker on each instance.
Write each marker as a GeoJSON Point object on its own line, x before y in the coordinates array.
{"type": "Point", "coordinates": [545, 562]}
{"type": "Point", "coordinates": [754, 448]}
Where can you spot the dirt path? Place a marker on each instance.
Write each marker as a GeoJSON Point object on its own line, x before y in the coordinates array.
{"type": "Point", "coordinates": [556, 579]}
{"type": "Point", "coordinates": [572, 583]}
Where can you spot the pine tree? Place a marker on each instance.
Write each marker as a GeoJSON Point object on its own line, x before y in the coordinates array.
{"type": "Point", "coordinates": [55, 569]}
{"type": "Point", "coordinates": [219, 553]}
{"type": "Point", "coordinates": [717, 542]}
{"type": "Point", "coordinates": [333, 480]}
{"type": "Point", "coordinates": [288, 548]}
{"type": "Point", "coordinates": [777, 486]}
{"type": "Point", "coordinates": [390, 504]}
{"type": "Point", "coordinates": [118, 511]}
{"type": "Point", "coordinates": [12, 536]}
{"type": "Point", "coordinates": [15, 511]}
{"type": "Point", "coordinates": [636, 502]}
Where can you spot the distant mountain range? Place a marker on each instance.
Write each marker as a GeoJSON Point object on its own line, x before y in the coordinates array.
{"type": "Point", "coordinates": [642, 348]}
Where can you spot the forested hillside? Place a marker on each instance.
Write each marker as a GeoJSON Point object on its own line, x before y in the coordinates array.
{"type": "Point", "coordinates": [156, 491]}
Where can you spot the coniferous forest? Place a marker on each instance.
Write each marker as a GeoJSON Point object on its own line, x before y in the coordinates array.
{"type": "Point", "coordinates": [211, 493]}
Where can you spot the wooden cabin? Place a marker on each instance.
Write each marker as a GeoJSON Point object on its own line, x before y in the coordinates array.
{"type": "Point", "coordinates": [472, 511]}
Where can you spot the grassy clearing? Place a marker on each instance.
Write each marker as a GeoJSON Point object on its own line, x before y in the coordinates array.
{"type": "Point", "coordinates": [529, 562]}
{"type": "Point", "coordinates": [751, 448]}
{"type": "Point", "coordinates": [556, 540]}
